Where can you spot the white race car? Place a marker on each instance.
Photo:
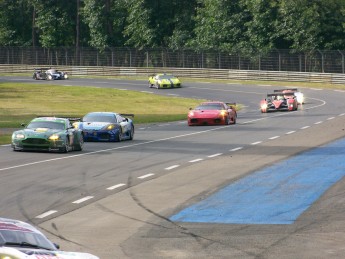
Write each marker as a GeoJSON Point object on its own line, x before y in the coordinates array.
{"type": "Point", "coordinates": [20, 240]}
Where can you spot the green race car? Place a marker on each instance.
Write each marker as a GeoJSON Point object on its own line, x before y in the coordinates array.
{"type": "Point", "coordinates": [164, 81]}
{"type": "Point", "coordinates": [48, 134]}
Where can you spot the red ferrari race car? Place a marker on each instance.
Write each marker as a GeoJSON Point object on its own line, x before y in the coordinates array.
{"type": "Point", "coordinates": [279, 101]}
{"type": "Point", "coordinates": [213, 113]}
{"type": "Point", "coordinates": [299, 95]}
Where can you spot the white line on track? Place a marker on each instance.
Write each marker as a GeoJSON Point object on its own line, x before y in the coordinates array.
{"type": "Point", "coordinates": [275, 137]}
{"type": "Point", "coordinates": [46, 214]}
{"type": "Point", "coordinates": [319, 122]}
{"type": "Point", "coordinates": [305, 127]}
{"type": "Point", "coordinates": [195, 160]}
{"type": "Point", "coordinates": [290, 132]}
{"type": "Point", "coordinates": [145, 176]}
{"type": "Point", "coordinates": [342, 114]}
{"type": "Point", "coordinates": [154, 141]}
{"type": "Point", "coordinates": [330, 118]}
{"type": "Point", "coordinates": [236, 149]}
{"type": "Point", "coordinates": [172, 167]}
{"type": "Point", "coordinates": [256, 143]}
{"type": "Point", "coordinates": [214, 155]}
{"type": "Point", "coordinates": [148, 92]}
{"type": "Point", "coordinates": [116, 186]}
{"type": "Point", "coordinates": [82, 199]}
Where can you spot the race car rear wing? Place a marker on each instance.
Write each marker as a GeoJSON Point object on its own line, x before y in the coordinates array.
{"type": "Point", "coordinates": [287, 89]}
{"type": "Point", "coordinates": [231, 105]}
{"type": "Point", "coordinates": [59, 116]}
{"type": "Point", "coordinates": [280, 93]}
{"type": "Point", "coordinates": [127, 114]}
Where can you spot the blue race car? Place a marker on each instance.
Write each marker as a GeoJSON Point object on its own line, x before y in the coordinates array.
{"type": "Point", "coordinates": [106, 126]}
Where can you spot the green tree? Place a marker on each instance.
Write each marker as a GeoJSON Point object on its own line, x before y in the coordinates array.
{"type": "Point", "coordinates": [260, 29]}
{"type": "Point", "coordinates": [15, 23]}
{"type": "Point", "coordinates": [219, 24]}
{"type": "Point", "coordinates": [137, 29]}
{"type": "Point", "coordinates": [55, 23]}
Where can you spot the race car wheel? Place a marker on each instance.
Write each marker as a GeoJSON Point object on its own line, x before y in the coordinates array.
{"type": "Point", "coordinates": [234, 120]}
{"type": "Point", "coordinates": [66, 147]}
{"type": "Point", "coordinates": [79, 146]}
{"type": "Point", "coordinates": [131, 133]}
{"type": "Point", "coordinates": [227, 121]}
{"type": "Point", "coordinates": [119, 136]}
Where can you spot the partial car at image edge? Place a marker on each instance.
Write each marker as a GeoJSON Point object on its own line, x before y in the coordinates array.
{"type": "Point", "coordinates": [20, 240]}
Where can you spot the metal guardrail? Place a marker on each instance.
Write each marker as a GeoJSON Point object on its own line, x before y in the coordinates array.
{"type": "Point", "coordinates": [223, 74]}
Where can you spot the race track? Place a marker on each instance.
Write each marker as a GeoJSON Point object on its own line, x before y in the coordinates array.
{"type": "Point", "coordinates": [116, 199]}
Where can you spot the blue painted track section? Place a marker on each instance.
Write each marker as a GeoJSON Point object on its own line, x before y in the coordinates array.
{"type": "Point", "coordinates": [278, 194]}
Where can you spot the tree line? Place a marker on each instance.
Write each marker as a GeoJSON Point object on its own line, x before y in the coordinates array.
{"type": "Point", "coordinates": [234, 26]}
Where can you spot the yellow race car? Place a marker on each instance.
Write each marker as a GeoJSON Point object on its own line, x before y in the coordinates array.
{"type": "Point", "coordinates": [164, 81]}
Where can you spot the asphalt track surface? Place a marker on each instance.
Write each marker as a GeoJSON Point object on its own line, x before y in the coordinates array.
{"type": "Point", "coordinates": [116, 199]}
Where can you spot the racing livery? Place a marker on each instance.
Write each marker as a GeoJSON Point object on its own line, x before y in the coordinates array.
{"type": "Point", "coordinates": [48, 134]}
{"type": "Point", "coordinates": [279, 101]}
{"type": "Point", "coordinates": [106, 126]}
{"type": "Point", "coordinates": [49, 74]}
{"type": "Point", "coordinates": [164, 81]}
{"type": "Point", "coordinates": [20, 240]}
{"type": "Point", "coordinates": [213, 113]}
{"type": "Point", "coordinates": [299, 95]}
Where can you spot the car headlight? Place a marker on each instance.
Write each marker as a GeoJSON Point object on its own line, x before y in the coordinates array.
{"type": "Point", "coordinates": [18, 136]}
{"type": "Point", "coordinates": [191, 114]}
{"type": "Point", "coordinates": [109, 127]}
{"type": "Point", "coordinates": [300, 98]}
{"type": "Point", "coordinates": [264, 106]}
{"type": "Point", "coordinates": [54, 137]}
{"type": "Point", "coordinates": [222, 113]}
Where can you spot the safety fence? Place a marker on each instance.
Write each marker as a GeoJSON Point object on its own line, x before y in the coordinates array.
{"type": "Point", "coordinates": [223, 74]}
{"type": "Point", "coordinates": [317, 61]}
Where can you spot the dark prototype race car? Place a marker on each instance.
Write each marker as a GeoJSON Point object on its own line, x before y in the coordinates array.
{"type": "Point", "coordinates": [49, 74]}
{"type": "Point", "coordinates": [106, 126]}
{"type": "Point", "coordinates": [48, 134]}
{"type": "Point", "coordinates": [279, 101]}
{"type": "Point", "coordinates": [213, 113]}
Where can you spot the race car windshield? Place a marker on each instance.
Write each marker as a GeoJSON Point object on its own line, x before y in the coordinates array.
{"type": "Point", "coordinates": [165, 77]}
{"type": "Point", "coordinates": [210, 107]}
{"type": "Point", "coordinates": [46, 124]}
{"type": "Point", "coordinates": [25, 239]}
{"type": "Point", "coordinates": [99, 118]}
